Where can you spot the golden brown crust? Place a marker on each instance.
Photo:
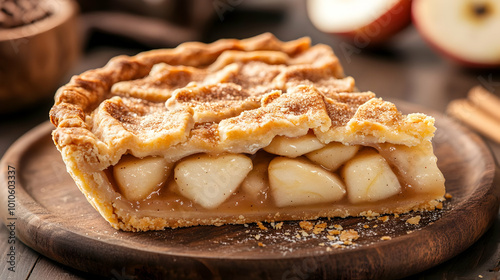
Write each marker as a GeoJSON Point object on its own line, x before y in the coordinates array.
{"type": "Point", "coordinates": [228, 96]}
{"type": "Point", "coordinates": [260, 85]}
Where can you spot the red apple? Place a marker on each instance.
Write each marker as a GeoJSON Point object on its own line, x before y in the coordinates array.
{"type": "Point", "coordinates": [365, 22]}
{"type": "Point", "coordinates": [468, 31]}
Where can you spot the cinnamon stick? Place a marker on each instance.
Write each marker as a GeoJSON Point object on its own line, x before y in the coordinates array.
{"type": "Point", "coordinates": [475, 117]}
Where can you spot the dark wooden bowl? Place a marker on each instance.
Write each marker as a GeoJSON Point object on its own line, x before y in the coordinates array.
{"type": "Point", "coordinates": [34, 58]}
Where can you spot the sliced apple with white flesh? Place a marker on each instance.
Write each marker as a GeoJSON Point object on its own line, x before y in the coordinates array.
{"type": "Point", "coordinates": [137, 178]}
{"type": "Point", "coordinates": [294, 146]}
{"type": "Point", "coordinates": [369, 178]}
{"type": "Point", "coordinates": [295, 182]}
{"type": "Point", "coordinates": [210, 180]}
{"type": "Point", "coordinates": [256, 181]}
{"type": "Point", "coordinates": [365, 22]}
{"type": "Point", "coordinates": [333, 155]}
{"type": "Point", "coordinates": [417, 165]}
{"type": "Point", "coordinates": [466, 31]}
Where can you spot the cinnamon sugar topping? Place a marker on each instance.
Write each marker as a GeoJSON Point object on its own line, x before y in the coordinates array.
{"type": "Point", "coordinates": [244, 92]}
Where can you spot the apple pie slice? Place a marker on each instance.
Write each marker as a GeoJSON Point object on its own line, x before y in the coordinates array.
{"type": "Point", "coordinates": [239, 131]}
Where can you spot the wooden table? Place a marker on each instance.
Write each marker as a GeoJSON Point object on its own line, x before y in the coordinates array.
{"type": "Point", "coordinates": [407, 69]}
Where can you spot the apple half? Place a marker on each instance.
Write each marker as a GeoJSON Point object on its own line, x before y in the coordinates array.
{"type": "Point", "coordinates": [467, 31]}
{"type": "Point", "coordinates": [366, 22]}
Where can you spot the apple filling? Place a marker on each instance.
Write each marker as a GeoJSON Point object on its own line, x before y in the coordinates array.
{"type": "Point", "coordinates": [289, 173]}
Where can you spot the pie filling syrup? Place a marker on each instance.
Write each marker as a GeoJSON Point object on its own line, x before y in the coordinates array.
{"type": "Point", "coordinates": [290, 173]}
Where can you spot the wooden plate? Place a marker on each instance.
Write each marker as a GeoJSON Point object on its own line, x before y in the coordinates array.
{"type": "Point", "coordinates": [53, 217]}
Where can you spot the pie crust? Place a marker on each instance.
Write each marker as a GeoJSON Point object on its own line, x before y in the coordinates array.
{"type": "Point", "coordinates": [221, 130]}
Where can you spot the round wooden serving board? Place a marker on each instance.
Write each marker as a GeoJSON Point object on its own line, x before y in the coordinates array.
{"type": "Point", "coordinates": [53, 218]}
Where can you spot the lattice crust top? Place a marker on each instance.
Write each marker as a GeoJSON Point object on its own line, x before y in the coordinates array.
{"type": "Point", "coordinates": [228, 96]}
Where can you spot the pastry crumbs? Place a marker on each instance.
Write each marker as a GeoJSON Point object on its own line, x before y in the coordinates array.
{"type": "Point", "coordinates": [383, 218]}
{"type": "Point", "coordinates": [261, 226]}
{"type": "Point", "coordinates": [349, 235]}
{"type": "Point", "coordinates": [385, 238]}
{"type": "Point", "coordinates": [448, 196]}
{"type": "Point", "coordinates": [278, 225]}
{"type": "Point", "coordinates": [306, 225]}
{"type": "Point", "coordinates": [261, 244]}
{"type": "Point", "coordinates": [339, 227]}
{"type": "Point", "coordinates": [366, 226]}
{"type": "Point", "coordinates": [369, 215]}
{"type": "Point", "coordinates": [334, 232]}
{"type": "Point", "coordinates": [414, 220]}
{"type": "Point", "coordinates": [319, 228]}
{"type": "Point", "coordinates": [439, 206]}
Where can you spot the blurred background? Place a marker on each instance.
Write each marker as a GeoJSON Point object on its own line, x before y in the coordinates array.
{"type": "Point", "coordinates": [425, 52]}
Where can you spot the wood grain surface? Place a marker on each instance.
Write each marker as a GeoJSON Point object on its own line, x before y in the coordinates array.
{"type": "Point", "coordinates": [54, 219]}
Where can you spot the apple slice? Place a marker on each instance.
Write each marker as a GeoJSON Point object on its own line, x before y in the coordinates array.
{"type": "Point", "coordinates": [333, 155]}
{"type": "Point", "coordinates": [417, 165]}
{"type": "Point", "coordinates": [210, 180]}
{"type": "Point", "coordinates": [368, 178]}
{"type": "Point", "coordinates": [137, 178]}
{"type": "Point", "coordinates": [294, 146]}
{"type": "Point", "coordinates": [365, 22]}
{"type": "Point", "coordinates": [464, 30]}
{"type": "Point", "coordinates": [256, 182]}
{"type": "Point", "coordinates": [298, 182]}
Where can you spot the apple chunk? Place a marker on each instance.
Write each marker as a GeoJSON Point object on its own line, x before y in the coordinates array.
{"type": "Point", "coordinates": [256, 182]}
{"type": "Point", "coordinates": [368, 178]}
{"type": "Point", "coordinates": [298, 182]}
{"type": "Point", "coordinates": [210, 180]}
{"type": "Point", "coordinates": [333, 155]}
{"type": "Point", "coordinates": [418, 166]}
{"type": "Point", "coordinates": [294, 146]}
{"type": "Point", "coordinates": [137, 178]}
